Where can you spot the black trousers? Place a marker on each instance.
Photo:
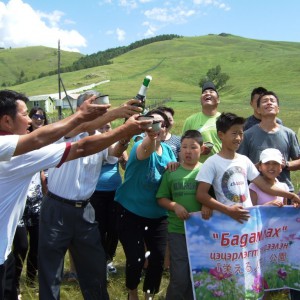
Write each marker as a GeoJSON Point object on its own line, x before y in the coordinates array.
{"type": "Point", "coordinates": [63, 227]}
{"type": "Point", "coordinates": [20, 250]}
{"type": "Point", "coordinates": [105, 214]}
{"type": "Point", "coordinates": [8, 289]}
{"type": "Point", "coordinates": [135, 232]}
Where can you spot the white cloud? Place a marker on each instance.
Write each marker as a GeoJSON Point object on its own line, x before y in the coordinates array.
{"type": "Point", "coordinates": [151, 30]}
{"type": "Point", "coordinates": [169, 15]}
{"type": "Point", "coordinates": [215, 3]}
{"type": "Point", "coordinates": [130, 4]}
{"type": "Point", "coordinates": [120, 34]}
{"type": "Point", "coordinates": [21, 26]}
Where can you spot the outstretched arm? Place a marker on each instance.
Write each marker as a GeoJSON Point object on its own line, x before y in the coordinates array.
{"type": "Point", "coordinates": [52, 132]}
{"type": "Point", "coordinates": [274, 190]}
{"type": "Point", "coordinates": [126, 110]}
{"type": "Point", "coordinates": [98, 142]}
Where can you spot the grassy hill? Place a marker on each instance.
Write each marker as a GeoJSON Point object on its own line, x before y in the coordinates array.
{"type": "Point", "coordinates": [177, 66]}
{"type": "Point", "coordinates": [32, 61]}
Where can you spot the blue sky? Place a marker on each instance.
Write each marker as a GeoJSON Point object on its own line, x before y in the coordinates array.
{"type": "Point", "coordinates": [95, 25]}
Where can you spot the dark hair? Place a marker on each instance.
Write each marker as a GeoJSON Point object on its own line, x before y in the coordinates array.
{"type": "Point", "coordinates": [168, 109]}
{"type": "Point", "coordinates": [8, 105]}
{"type": "Point", "coordinates": [267, 93]}
{"type": "Point", "coordinates": [33, 111]}
{"type": "Point", "coordinates": [257, 91]}
{"type": "Point", "coordinates": [161, 113]}
{"type": "Point", "coordinates": [226, 120]}
{"type": "Point", "coordinates": [192, 134]}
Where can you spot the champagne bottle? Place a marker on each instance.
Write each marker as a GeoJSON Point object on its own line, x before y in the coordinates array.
{"type": "Point", "coordinates": [142, 92]}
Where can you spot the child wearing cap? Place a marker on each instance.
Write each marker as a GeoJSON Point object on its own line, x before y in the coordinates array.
{"type": "Point", "coordinates": [270, 166]}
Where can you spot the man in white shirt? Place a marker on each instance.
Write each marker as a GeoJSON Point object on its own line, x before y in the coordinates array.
{"type": "Point", "coordinates": [12, 145]}
{"type": "Point", "coordinates": [68, 222]}
{"type": "Point", "coordinates": [15, 175]}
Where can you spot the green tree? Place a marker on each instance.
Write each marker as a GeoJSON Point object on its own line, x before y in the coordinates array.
{"type": "Point", "coordinates": [216, 76]}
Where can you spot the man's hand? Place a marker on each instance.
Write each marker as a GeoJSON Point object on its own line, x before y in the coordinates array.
{"type": "Point", "coordinates": [237, 212]}
{"type": "Point", "coordinates": [126, 110]}
{"type": "Point", "coordinates": [90, 111]}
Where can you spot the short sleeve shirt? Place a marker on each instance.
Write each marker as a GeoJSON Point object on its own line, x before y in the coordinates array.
{"type": "Point", "coordinates": [8, 144]}
{"type": "Point", "coordinates": [229, 178]}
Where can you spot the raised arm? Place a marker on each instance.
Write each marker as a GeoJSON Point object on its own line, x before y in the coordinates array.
{"type": "Point", "coordinates": [52, 132]}
{"type": "Point", "coordinates": [147, 146]}
{"type": "Point", "coordinates": [126, 110]}
{"type": "Point", "coordinates": [95, 143]}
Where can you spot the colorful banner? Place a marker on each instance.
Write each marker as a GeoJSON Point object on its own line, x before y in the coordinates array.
{"type": "Point", "coordinates": [232, 261]}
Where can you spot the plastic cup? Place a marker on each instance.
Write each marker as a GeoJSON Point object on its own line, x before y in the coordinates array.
{"type": "Point", "coordinates": [142, 118]}
{"type": "Point", "coordinates": [156, 126]}
{"type": "Point", "coordinates": [103, 99]}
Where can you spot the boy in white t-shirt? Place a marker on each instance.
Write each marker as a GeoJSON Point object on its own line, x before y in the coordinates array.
{"type": "Point", "coordinates": [270, 166]}
{"type": "Point", "coordinates": [229, 172]}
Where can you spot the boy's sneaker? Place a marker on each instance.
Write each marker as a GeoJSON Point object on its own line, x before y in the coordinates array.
{"type": "Point", "coordinates": [111, 269]}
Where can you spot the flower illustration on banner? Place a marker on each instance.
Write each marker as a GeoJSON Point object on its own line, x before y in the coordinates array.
{"type": "Point", "coordinates": [218, 293]}
{"type": "Point", "coordinates": [218, 274]}
{"type": "Point", "coordinates": [259, 284]}
{"type": "Point", "coordinates": [282, 273]}
{"type": "Point", "coordinates": [197, 283]}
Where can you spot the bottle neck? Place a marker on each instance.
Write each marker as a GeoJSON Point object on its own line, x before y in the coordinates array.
{"type": "Point", "coordinates": [143, 90]}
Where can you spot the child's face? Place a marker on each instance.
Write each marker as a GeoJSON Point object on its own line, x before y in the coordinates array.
{"type": "Point", "coordinates": [190, 151]}
{"type": "Point", "coordinates": [270, 169]}
{"type": "Point", "coordinates": [233, 137]}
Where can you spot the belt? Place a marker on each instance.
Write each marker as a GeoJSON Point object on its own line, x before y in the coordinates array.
{"type": "Point", "coordinates": [75, 203]}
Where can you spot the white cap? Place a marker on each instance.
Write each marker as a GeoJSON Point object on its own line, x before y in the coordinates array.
{"type": "Point", "coordinates": [271, 154]}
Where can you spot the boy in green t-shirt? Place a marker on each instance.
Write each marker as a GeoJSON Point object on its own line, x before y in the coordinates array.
{"type": "Point", "coordinates": [177, 193]}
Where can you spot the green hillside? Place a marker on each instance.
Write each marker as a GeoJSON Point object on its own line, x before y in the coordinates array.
{"type": "Point", "coordinates": [177, 66]}
{"type": "Point", "coordinates": [31, 62]}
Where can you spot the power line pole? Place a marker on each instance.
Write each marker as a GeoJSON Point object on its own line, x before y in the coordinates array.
{"type": "Point", "coordinates": [59, 79]}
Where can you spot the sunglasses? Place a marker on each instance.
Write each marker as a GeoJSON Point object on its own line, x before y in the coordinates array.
{"type": "Point", "coordinates": [37, 116]}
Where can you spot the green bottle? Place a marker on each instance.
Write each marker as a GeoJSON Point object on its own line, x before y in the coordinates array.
{"type": "Point", "coordinates": [142, 92]}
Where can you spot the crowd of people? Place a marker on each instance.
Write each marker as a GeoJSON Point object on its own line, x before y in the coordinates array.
{"type": "Point", "coordinates": [61, 187]}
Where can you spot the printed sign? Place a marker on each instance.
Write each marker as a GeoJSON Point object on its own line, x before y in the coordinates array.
{"type": "Point", "coordinates": [230, 260]}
